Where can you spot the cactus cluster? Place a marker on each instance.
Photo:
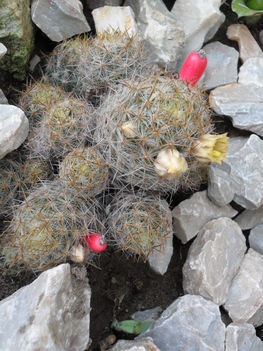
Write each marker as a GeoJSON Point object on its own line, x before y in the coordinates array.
{"type": "Point", "coordinates": [103, 120]}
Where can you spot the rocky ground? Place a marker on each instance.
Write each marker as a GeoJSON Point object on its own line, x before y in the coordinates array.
{"type": "Point", "coordinates": [206, 285]}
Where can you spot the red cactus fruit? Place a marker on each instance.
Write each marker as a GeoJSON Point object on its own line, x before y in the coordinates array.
{"type": "Point", "coordinates": [95, 242]}
{"type": "Point", "coordinates": [193, 67]}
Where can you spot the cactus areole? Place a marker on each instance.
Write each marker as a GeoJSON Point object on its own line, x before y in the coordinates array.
{"type": "Point", "coordinates": [193, 67]}
{"type": "Point", "coordinates": [95, 242]}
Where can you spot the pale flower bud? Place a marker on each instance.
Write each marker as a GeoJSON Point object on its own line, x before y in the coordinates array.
{"type": "Point", "coordinates": [170, 163]}
{"type": "Point", "coordinates": [129, 130]}
{"type": "Point", "coordinates": [211, 148]}
{"type": "Point", "coordinates": [77, 253]}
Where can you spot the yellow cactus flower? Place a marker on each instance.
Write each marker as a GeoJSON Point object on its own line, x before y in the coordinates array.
{"type": "Point", "coordinates": [170, 163]}
{"type": "Point", "coordinates": [211, 148]}
{"type": "Point", "coordinates": [129, 130]}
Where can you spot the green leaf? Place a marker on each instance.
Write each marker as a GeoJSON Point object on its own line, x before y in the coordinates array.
{"type": "Point", "coordinates": [241, 9]}
{"type": "Point", "coordinates": [132, 326]}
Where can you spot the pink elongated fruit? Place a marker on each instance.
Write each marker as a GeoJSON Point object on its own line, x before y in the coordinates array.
{"type": "Point", "coordinates": [193, 67]}
{"type": "Point", "coordinates": [95, 242]}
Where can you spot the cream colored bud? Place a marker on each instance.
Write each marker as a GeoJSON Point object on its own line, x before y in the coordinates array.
{"type": "Point", "coordinates": [211, 148]}
{"type": "Point", "coordinates": [170, 163]}
{"type": "Point", "coordinates": [77, 254]}
{"type": "Point", "coordinates": [129, 130]}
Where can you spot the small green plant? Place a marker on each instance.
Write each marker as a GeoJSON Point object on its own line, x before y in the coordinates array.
{"type": "Point", "coordinates": [85, 170]}
{"type": "Point", "coordinates": [47, 226]}
{"type": "Point", "coordinates": [251, 9]}
{"type": "Point", "coordinates": [139, 224]}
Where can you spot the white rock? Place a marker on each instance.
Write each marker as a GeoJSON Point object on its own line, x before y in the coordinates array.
{"type": "Point", "coordinates": [14, 128]}
{"type": "Point", "coordinates": [145, 315]}
{"type": "Point", "coordinates": [242, 102]}
{"type": "Point", "coordinates": [256, 239]}
{"type": "Point", "coordinates": [245, 298]}
{"type": "Point", "coordinates": [94, 4]}
{"type": "Point", "coordinates": [162, 33]}
{"type": "Point", "coordinates": [159, 259]}
{"type": "Point", "coordinates": [242, 337]}
{"type": "Point", "coordinates": [59, 19]}
{"type": "Point", "coordinates": [3, 50]}
{"type": "Point", "coordinates": [34, 62]}
{"type": "Point", "coordinates": [221, 66]}
{"type": "Point", "coordinates": [251, 72]}
{"type": "Point", "coordinates": [112, 18]}
{"type": "Point", "coordinates": [50, 314]}
{"type": "Point", "coordinates": [145, 344]}
{"type": "Point", "coordinates": [192, 214]}
{"type": "Point", "coordinates": [3, 99]}
{"type": "Point", "coordinates": [189, 323]}
{"type": "Point", "coordinates": [241, 172]}
{"type": "Point", "coordinates": [213, 260]}
{"type": "Point", "coordinates": [250, 218]}
{"type": "Point", "coordinates": [248, 47]}
{"type": "Point", "coordinates": [200, 20]}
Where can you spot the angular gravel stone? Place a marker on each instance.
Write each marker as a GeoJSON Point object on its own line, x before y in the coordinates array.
{"type": "Point", "coordinates": [3, 99]}
{"type": "Point", "coordinates": [242, 102]}
{"type": "Point", "coordinates": [52, 313]}
{"type": "Point", "coordinates": [242, 337]}
{"type": "Point", "coordinates": [189, 323]}
{"type": "Point", "coordinates": [251, 72]}
{"type": "Point", "coordinates": [213, 260]}
{"type": "Point", "coordinates": [248, 47]}
{"type": "Point", "coordinates": [161, 31]}
{"type": "Point", "coordinates": [14, 128]}
{"type": "Point", "coordinates": [192, 214]}
{"type": "Point", "coordinates": [3, 50]}
{"type": "Point", "coordinates": [243, 172]}
{"type": "Point", "coordinates": [159, 259]}
{"type": "Point", "coordinates": [145, 344]}
{"type": "Point", "coordinates": [250, 218]}
{"type": "Point", "coordinates": [59, 19]}
{"type": "Point", "coordinates": [200, 21]}
{"type": "Point", "coordinates": [94, 4]}
{"type": "Point", "coordinates": [223, 56]}
{"type": "Point", "coordinates": [245, 298]}
{"type": "Point", "coordinates": [256, 239]}
{"type": "Point", "coordinates": [112, 18]}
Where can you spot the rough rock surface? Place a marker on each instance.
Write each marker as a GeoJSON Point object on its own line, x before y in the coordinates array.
{"type": "Point", "coordinates": [189, 323]}
{"type": "Point", "coordinates": [58, 19]}
{"type": "Point", "coordinates": [250, 218]}
{"type": "Point", "coordinates": [256, 239]}
{"type": "Point", "coordinates": [159, 259]}
{"type": "Point", "coordinates": [245, 298]}
{"type": "Point", "coordinates": [3, 50]}
{"type": "Point", "coordinates": [242, 337]}
{"type": "Point", "coordinates": [162, 33]}
{"type": "Point", "coordinates": [94, 4]}
{"type": "Point", "coordinates": [248, 47]}
{"type": "Point", "coordinates": [214, 259]}
{"type": "Point", "coordinates": [14, 128]}
{"type": "Point", "coordinates": [145, 344]}
{"type": "Point", "coordinates": [251, 72]}
{"type": "Point", "coordinates": [3, 99]}
{"type": "Point", "coordinates": [223, 56]}
{"type": "Point", "coordinates": [52, 314]}
{"type": "Point", "coordinates": [240, 176]}
{"type": "Point", "coordinates": [200, 21]}
{"type": "Point", "coordinates": [112, 18]}
{"type": "Point", "coordinates": [192, 214]}
{"type": "Point", "coordinates": [16, 33]}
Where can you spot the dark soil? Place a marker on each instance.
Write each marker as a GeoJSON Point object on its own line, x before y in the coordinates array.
{"type": "Point", "coordinates": [120, 285]}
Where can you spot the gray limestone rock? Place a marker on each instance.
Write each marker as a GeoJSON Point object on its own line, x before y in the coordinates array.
{"type": "Point", "coordinates": [3, 99]}
{"type": "Point", "coordinates": [213, 260]}
{"type": "Point", "coordinates": [3, 50]}
{"type": "Point", "coordinates": [242, 102]}
{"type": "Point", "coordinates": [160, 258]}
{"type": "Point", "coordinates": [251, 72]}
{"type": "Point", "coordinates": [250, 218]}
{"type": "Point", "coordinates": [256, 239]}
{"type": "Point", "coordinates": [161, 31]}
{"type": "Point", "coordinates": [145, 344]}
{"type": "Point", "coordinates": [14, 128]}
{"type": "Point", "coordinates": [221, 65]}
{"type": "Point", "coordinates": [240, 176]}
{"type": "Point", "coordinates": [192, 214]}
{"type": "Point", "coordinates": [59, 19]}
{"type": "Point", "coordinates": [94, 4]}
{"type": "Point", "coordinates": [245, 298]}
{"type": "Point", "coordinates": [51, 314]}
{"type": "Point", "coordinates": [200, 21]}
{"type": "Point", "coordinates": [242, 337]}
{"type": "Point", "coordinates": [189, 323]}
